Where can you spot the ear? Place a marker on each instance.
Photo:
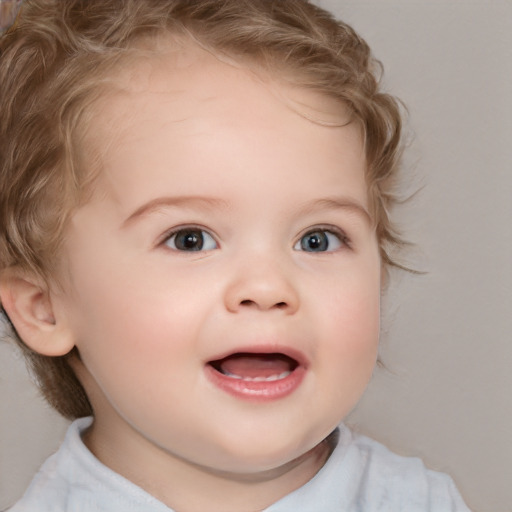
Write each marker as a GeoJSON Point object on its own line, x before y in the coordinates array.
{"type": "Point", "coordinates": [27, 302]}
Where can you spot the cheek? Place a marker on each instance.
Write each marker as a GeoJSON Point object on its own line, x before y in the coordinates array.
{"type": "Point", "coordinates": [135, 326]}
{"type": "Point", "coordinates": [355, 335]}
{"type": "Point", "coordinates": [353, 316]}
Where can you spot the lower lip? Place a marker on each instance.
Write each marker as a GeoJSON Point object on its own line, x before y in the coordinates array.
{"type": "Point", "coordinates": [260, 391]}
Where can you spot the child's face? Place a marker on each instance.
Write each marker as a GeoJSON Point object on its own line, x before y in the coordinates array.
{"type": "Point", "coordinates": [224, 225]}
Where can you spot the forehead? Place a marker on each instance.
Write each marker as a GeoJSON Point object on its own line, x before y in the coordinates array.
{"type": "Point", "coordinates": [170, 69]}
{"type": "Point", "coordinates": [171, 95]}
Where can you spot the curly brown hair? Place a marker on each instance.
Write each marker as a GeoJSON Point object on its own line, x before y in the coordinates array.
{"type": "Point", "coordinates": [56, 60]}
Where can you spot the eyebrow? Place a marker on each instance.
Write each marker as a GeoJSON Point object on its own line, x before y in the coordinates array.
{"type": "Point", "coordinates": [337, 203]}
{"type": "Point", "coordinates": [328, 203]}
{"type": "Point", "coordinates": [167, 201]}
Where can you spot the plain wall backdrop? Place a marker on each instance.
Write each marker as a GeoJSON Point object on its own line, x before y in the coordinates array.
{"type": "Point", "coordinates": [445, 394]}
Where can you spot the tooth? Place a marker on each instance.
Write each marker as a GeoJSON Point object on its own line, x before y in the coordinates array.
{"type": "Point", "coordinates": [270, 378]}
{"type": "Point", "coordinates": [232, 375]}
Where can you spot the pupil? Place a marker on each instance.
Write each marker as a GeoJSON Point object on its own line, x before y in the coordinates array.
{"type": "Point", "coordinates": [189, 241]}
{"type": "Point", "coordinates": [316, 242]}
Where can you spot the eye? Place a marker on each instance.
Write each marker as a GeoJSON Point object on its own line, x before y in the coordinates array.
{"type": "Point", "coordinates": [320, 240]}
{"type": "Point", "coordinates": [190, 239]}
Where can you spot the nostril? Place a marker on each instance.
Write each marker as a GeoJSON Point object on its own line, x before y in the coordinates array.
{"type": "Point", "coordinates": [249, 302]}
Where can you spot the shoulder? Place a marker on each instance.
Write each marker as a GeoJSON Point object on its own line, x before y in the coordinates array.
{"type": "Point", "coordinates": [73, 480]}
{"type": "Point", "coordinates": [46, 490]}
{"type": "Point", "coordinates": [404, 483]}
{"type": "Point", "coordinates": [362, 475]}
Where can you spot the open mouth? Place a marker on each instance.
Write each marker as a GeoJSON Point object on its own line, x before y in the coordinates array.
{"type": "Point", "coordinates": [256, 376]}
{"type": "Point", "coordinates": [256, 367]}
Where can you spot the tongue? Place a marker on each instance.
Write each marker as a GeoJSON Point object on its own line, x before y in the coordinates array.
{"type": "Point", "coordinates": [250, 366]}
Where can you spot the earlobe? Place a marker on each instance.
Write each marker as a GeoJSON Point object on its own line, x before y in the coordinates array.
{"type": "Point", "coordinates": [28, 304]}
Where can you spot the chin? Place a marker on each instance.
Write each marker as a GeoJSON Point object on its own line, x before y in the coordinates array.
{"type": "Point", "coordinates": [264, 454]}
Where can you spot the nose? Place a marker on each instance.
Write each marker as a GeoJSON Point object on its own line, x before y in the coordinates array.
{"type": "Point", "coordinates": [262, 285]}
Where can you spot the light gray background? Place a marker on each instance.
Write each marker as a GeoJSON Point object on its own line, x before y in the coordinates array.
{"type": "Point", "coordinates": [445, 394]}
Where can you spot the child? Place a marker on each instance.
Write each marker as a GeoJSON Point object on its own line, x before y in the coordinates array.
{"type": "Point", "coordinates": [194, 202]}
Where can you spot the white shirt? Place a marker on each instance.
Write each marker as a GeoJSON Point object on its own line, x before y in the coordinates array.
{"type": "Point", "coordinates": [361, 475]}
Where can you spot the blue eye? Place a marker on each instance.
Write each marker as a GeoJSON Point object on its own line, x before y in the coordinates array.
{"type": "Point", "coordinates": [191, 239]}
{"type": "Point", "coordinates": [320, 240]}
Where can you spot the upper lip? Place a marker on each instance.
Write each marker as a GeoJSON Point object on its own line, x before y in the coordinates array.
{"type": "Point", "coordinates": [287, 350]}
